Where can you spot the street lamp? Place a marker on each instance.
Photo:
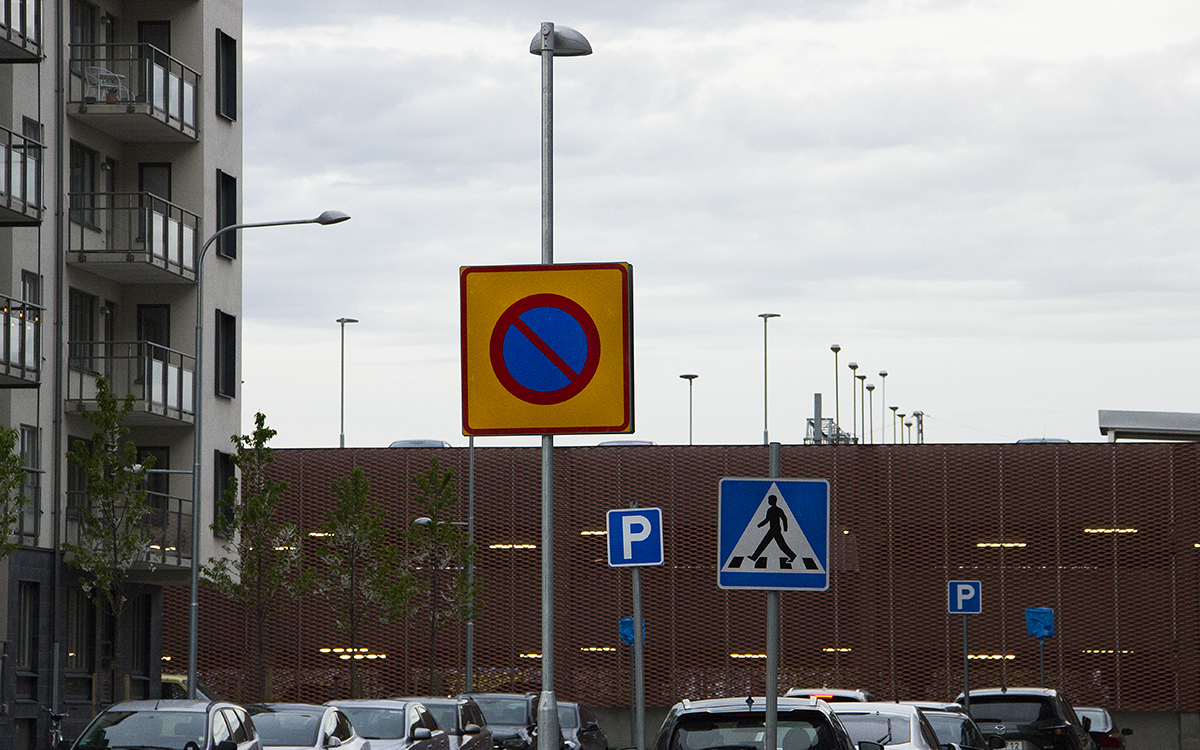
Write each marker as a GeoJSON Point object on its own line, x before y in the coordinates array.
{"type": "Point", "coordinates": [427, 523]}
{"type": "Point", "coordinates": [862, 399]}
{"type": "Point", "coordinates": [690, 378]}
{"type": "Point", "coordinates": [893, 408]}
{"type": "Point", "coordinates": [326, 218]}
{"type": "Point", "coordinates": [902, 415]}
{"type": "Point", "coordinates": [853, 395]}
{"type": "Point", "coordinates": [765, 317]}
{"type": "Point", "coordinates": [837, 407]}
{"type": "Point", "coordinates": [342, 435]}
{"type": "Point", "coordinates": [871, 391]}
{"type": "Point", "coordinates": [882, 406]}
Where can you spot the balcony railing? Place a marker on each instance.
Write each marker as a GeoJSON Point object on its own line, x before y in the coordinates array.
{"type": "Point", "coordinates": [20, 343]}
{"type": "Point", "coordinates": [169, 524]}
{"type": "Point", "coordinates": [21, 31]}
{"type": "Point", "coordinates": [160, 379]}
{"type": "Point", "coordinates": [21, 181]}
{"type": "Point", "coordinates": [132, 237]}
{"type": "Point", "coordinates": [118, 80]}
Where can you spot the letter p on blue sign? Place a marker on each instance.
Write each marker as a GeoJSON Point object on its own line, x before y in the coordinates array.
{"type": "Point", "coordinates": [635, 537]}
{"type": "Point", "coordinates": [964, 597]}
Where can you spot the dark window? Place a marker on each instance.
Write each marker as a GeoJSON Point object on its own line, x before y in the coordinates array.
{"type": "Point", "coordinates": [156, 33]}
{"type": "Point", "coordinates": [226, 76]}
{"type": "Point", "coordinates": [226, 359]}
{"type": "Point", "coordinates": [27, 622]}
{"type": "Point", "coordinates": [226, 214]}
{"type": "Point", "coordinates": [31, 488]}
{"type": "Point", "coordinates": [81, 329]}
{"type": "Point", "coordinates": [154, 324]}
{"type": "Point", "coordinates": [83, 185]}
{"type": "Point", "coordinates": [80, 619]}
{"type": "Point", "coordinates": [142, 606]}
{"type": "Point", "coordinates": [223, 472]}
{"type": "Point", "coordinates": [83, 32]}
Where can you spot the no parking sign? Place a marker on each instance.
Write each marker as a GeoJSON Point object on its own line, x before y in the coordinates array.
{"type": "Point", "coordinates": [547, 349]}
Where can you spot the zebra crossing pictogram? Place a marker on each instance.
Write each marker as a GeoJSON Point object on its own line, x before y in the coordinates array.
{"type": "Point", "coordinates": [774, 540]}
{"type": "Point", "coordinates": [773, 534]}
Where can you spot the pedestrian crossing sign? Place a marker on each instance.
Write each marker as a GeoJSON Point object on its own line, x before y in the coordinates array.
{"type": "Point", "coordinates": [773, 534]}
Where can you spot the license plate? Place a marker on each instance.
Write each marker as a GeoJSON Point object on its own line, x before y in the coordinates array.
{"type": "Point", "coordinates": [1014, 745]}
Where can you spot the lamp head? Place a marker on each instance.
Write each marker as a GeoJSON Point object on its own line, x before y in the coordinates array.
{"type": "Point", "coordinates": [567, 42]}
{"type": "Point", "coordinates": [344, 321]}
{"type": "Point", "coordinates": [835, 348]}
{"type": "Point", "coordinates": [422, 521]}
{"type": "Point", "coordinates": [893, 408]}
{"type": "Point", "coordinates": [870, 386]}
{"type": "Point", "coordinates": [764, 316]}
{"type": "Point", "coordinates": [689, 376]}
{"type": "Point", "coordinates": [861, 377]}
{"type": "Point", "coordinates": [331, 217]}
{"type": "Point", "coordinates": [883, 373]}
{"type": "Point", "coordinates": [853, 365]}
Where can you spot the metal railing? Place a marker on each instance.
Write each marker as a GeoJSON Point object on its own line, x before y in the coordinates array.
{"type": "Point", "coordinates": [20, 339]}
{"type": "Point", "coordinates": [168, 522]}
{"type": "Point", "coordinates": [22, 23]}
{"type": "Point", "coordinates": [21, 183]}
{"type": "Point", "coordinates": [135, 73]}
{"type": "Point", "coordinates": [134, 222]}
{"type": "Point", "coordinates": [158, 377]}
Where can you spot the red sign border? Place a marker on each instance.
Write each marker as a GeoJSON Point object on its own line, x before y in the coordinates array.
{"type": "Point", "coordinates": [582, 378]}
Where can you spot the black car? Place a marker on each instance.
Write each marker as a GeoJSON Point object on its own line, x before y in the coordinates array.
{"type": "Point", "coordinates": [461, 719]}
{"type": "Point", "coordinates": [580, 727]}
{"type": "Point", "coordinates": [1029, 718]}
{"type": "Point", "coordinates": [512, 718]}
{"type": "Point", "coordinates": [738, 724]}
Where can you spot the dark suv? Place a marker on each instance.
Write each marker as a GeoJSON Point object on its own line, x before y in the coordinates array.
{"type": "Point", "coordinates": [1029, 718]}
{"type": "Point", "coordinates": [738, 723]}
{"type": "Point", "coordinates": [511, 716]}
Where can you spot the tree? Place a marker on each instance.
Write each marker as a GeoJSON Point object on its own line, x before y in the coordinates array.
{"type": "Point", "coordinates": [262, 556]}
{"type": "Point", "coordinates": [436, 544]}
{"type": "Point", "coordinates": [362, 579]}
{"type": "Point", "coordinates": [113, 533]}
{"type": "Point", "coordinates": [12, 477]}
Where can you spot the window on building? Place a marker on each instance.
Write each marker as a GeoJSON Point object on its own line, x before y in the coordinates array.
{"type": "Point", "coordinates": [226, 214]}
{"type": "Point", "coordinates": [32, 130]}
{"type": "Point", "coordinates": [27, 625]}
{"type": "Point", "coordinates": [84, 162]}
{"type": "Point", "coordinates": [83, 33]}
{"type": "Point", "coordinates": [226, 359]}
{"type": "Point", "coordinates": [31, 292]}
{"type": "Point", "coordinates": [140, 637]}
{"type": "Point", "coordinates": [80, 631]}
{"type": "Point", "coordinates": [82, 311]}
{"type": "Point", "coordinates": [223, 471]}
{"type": "Point", "coordinates": [226, 76]}
{"type": "Point", "coordinates": [31, 487]}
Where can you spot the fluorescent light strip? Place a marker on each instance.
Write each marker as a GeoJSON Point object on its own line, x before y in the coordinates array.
{"type": "Point", "coordinates": [1005, 545]}
{"type": "Point", "coordinates": [748, 656]}
{"type": "Point", "coordinates": [512, 546]}
{"type": "Point", "coordinates": [595, 649]}
{"type": "Point", "coordinates": [593, 533]}
{"type": "Point", "coordinates": [993, 657]}
{"type": "Point", "coordinates": [1110, 531]}
{"type": "Point", "coordinates": [836, 650]}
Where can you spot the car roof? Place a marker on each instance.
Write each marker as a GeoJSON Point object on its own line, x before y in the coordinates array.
{"type": "Point", "coordinates": [162, 705]}
{"type": "Point", "coordinates": [439, 700]}
{"type": "Point", "coordinates": [281, 707]}
{"type": "Point", "coordinates": [722, 705]}
{"type": "Point", "coordinates": [940, 706]}
{"type": "Point", "coordinates": [1016, 691]}
{"type": "Point", "coordinates": [372, 703]}
{"type": "Point", "coordinates": [856, 694]}
{"type": "Point", "coordinates": [876, 707]}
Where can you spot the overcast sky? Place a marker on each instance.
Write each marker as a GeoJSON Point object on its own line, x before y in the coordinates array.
{"type": "Point", "coordinates": [993, 200]}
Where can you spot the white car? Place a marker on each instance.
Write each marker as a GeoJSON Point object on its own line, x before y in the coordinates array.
{"type": "Point", "coordinates": [893, 725]}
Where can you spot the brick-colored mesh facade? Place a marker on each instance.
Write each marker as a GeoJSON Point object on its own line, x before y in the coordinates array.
{"type": "Point", "coordinates": [906, 518]}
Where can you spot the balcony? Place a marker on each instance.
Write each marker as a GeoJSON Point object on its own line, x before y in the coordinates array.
{"type": "Point", "coordinates": [21, 181]}
{"type": "Point", "coordinates": [169, 525]}
{"type": "Point", "coordinates": [134, 92]}
{"type": "Point", "coordinates": [21, 31]}
{"type": "Point", "coordinates": [132, 238]}
{"type": "Point", "coordinates": [20, 344]}
{"type": "Point", "coordinates": [159, 379]}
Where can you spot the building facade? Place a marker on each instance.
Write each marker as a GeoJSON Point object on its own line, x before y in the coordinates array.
{"type": "Point", "coordinates": [119, 121]}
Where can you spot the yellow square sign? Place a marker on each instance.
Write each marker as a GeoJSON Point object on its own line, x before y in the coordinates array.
{"type": "Point", "coordinates": [547, 349]}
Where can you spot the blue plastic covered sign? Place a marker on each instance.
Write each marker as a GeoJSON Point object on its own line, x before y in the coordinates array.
{"type": "Point", "coordinates": [1040, 622]}
{"type": "Point", "coordinates": [626, 630]}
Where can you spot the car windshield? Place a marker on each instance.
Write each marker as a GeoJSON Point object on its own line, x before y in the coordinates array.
{"type": "Point", "coordinates": [376, 723]}
{"type": "Point", "coordinates": [288, 728]}
{"type": "Point", "coordinates": [886, 730]}
{"type": "Point", "coordinates": [954, 727]}
{"type": "Point", "coordinates": [566, 717]}
{"type": "Point", "coordinates": [171, 730]}
{"type": "Point", "coordinates": [987, 710]}
{"type": "Point", "coordinates": [445, 714]}
{"type": "Point", "coordinates": [509, 711]}
{"type": "Point", "coordinates": [798, 730]}
{"type": "Point", "coordinates": [1099, 717]}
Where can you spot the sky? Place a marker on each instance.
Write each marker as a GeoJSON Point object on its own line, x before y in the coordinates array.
{"type": "Point", "coordinates": [992, 200]}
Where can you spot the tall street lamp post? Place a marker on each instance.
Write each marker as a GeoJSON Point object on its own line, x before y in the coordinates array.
{"type": "Point", "coordinates": [871, 391]}
{"type": "Point", "coordinates": [765, 317]}
{"type": "Point", "coordinates": [862, 399]}
{"type": "Point", "coordinates": [326, 218]}
{"type": "Point", "coordinates": [690, 378]}
{"type": "Point", "coordinates": [853, 398]}
{"type": "Point", "coordinates": [882, 406]}
{"type": "Point", "coordinates": [893, 408]}
{"type": "Point", "coordinates": [342, 434]}
{"type": "Point", "coordinates": [837, 406]}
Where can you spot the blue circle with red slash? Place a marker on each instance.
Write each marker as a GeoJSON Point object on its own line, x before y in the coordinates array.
{"type": "Point", "coordinates": [545, 349]}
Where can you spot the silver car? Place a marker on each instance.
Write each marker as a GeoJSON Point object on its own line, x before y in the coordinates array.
{"type": "Point", "coordinates": [394, 725]}
{"type": "Point", "coordinates": [303, 726]}
{"type": "Point", "coordinates": [171, 725]}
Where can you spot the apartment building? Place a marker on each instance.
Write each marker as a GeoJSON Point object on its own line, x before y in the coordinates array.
{"type": "Point", "coordinates": [122, 139]}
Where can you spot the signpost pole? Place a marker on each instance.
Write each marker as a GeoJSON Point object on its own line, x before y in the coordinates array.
{"type": "Point", "coordinates": [639, 664]}
{"type": "Point", "coordinates": [966, 670]}
{"type": "Point", "coordinates": [772, 681]}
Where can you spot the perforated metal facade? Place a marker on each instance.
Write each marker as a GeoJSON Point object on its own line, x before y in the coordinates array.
{"type": "Point", "coordinates": [1105, 534]}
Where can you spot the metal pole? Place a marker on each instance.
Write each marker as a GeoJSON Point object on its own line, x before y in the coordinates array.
{"type": "Point", "coordinates": [639, 664]}
{"type": "Point", "coordinates": [470, 635]}
{"type": "Point", "coordinates": [966, 670]}
{"type": "Point", "coordinates": [342, 436]}
{"type": "Point", "coordinates": [1042, 662]}
{"type": "Point", "coordinates": [853, 400]}
{"type": "Point", "coordinates": [765, 317]}
{"type": "Point", "coordinates": [770, 742]}
{"type": "Point", "coordinates": [837, 404]}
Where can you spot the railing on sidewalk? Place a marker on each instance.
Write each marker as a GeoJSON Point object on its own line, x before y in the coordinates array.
{"type": "Point", "coordinates": [158, 377]}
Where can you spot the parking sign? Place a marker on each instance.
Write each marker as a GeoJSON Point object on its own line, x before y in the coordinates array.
{"type": "Point", "coordinates": [964, 597]}
{"type": "Point", "coordinates": [635, 537]}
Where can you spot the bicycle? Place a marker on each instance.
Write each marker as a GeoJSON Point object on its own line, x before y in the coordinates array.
{"type": "Point", "coordinates": [56, 733]}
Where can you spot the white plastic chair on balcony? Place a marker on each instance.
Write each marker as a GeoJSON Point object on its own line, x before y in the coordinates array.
{"type": "Point", "coordinates": [107, 84]}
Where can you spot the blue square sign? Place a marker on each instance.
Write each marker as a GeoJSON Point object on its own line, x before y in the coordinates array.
{"type": "Point", "coordinates": [773, 534]}
{"type": "Point", "coordinates": [635, 537]}
{"type": "Point", "coordinates": [964, 597]}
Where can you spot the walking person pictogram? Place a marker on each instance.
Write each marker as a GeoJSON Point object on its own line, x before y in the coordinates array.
{"type": "Point", "coordinates": [778, 523]}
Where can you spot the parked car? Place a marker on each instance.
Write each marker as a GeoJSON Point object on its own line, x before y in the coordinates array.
{"type": "Point", "coordinates": [580, 727]}
{"type": "Point", "coordinates": [953, 725]}
{"type": "Point", "coordinates": [298, 725]}
{"type": "Point", "coordinates": [1099, 724]}
{"type": "Point", "coordinates": [394, 725]}
{"type": "Point", "coordinates": [174, 687]}
{"type": "Point", "coordinates": [1029, 718]}
{"type": "Point", "coordinates": [171, 725]}
{"type": "Point", "coordinates": [462, 719]}
{"type": "Point", "coordinates": [831, 695]}
{"type": "Point", "coordinates": [738, 724]}
{"type": "Point", "coordinates": [512, 718]}
{"type": "Point", "coordinates": [892, 725]}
